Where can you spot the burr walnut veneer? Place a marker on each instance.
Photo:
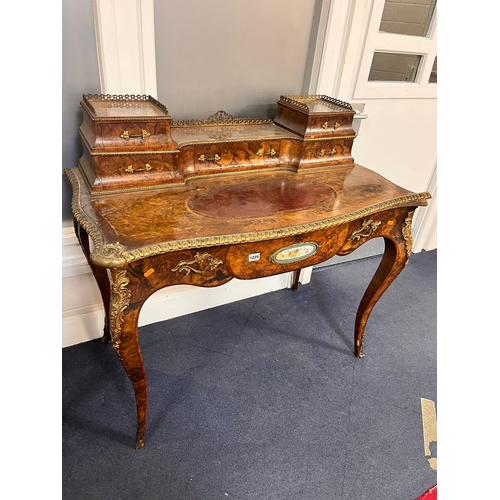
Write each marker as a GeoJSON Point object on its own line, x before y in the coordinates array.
{"type": "Point", "coordinates": [158, 202]}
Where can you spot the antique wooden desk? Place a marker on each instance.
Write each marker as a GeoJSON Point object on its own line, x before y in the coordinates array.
{"type": "Point", "coordinates": [199, 202]}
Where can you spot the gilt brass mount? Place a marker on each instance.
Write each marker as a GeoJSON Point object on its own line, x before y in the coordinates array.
{"type": "Point", "coordinates": [271, 153]}
{"type": "Point", "coordinates": [130, 169]}
{"type": "Point", "coordinates": [323, 152]}
{"type": "Point", "coordinates": [367, 229]}
{"type": "Point", "coordinates": [335, 125]}
{"type": "Point", "coordinates": [215, 158]}
{"type": "Point", "coordinates": [185, 266]}
{"type": "Point", "coordinates": [126, 135]}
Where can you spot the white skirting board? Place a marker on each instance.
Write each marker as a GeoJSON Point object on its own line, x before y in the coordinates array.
{"type": "Point", "coordinates": [83, 312]}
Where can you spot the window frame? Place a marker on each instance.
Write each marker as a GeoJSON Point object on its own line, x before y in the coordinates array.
{"type": "Point", "coordinates": [397, 44]}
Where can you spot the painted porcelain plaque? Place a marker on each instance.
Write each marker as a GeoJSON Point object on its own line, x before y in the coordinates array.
{"type": "Point", "coordinates": [293, 253]}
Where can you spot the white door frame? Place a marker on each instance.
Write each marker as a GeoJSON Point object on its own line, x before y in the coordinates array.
{"type": "Point", "coordinates": [336, 26]}
{"type": "Point", "coordinates": [125, 35]}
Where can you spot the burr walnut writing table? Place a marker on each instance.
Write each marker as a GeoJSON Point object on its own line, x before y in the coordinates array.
{"type": "Point", "coordinates": [234, 198]}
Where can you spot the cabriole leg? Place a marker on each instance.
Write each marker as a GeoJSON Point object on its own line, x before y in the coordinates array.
{"type": "Point", "coordinates": [100, 275]}
{"type": "Point", "coordinates": [123, 319]}
{"type": "Point", "coordinates": [393, 261]}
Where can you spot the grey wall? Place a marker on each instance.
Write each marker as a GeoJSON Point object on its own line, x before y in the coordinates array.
{"type": "Point", "coordinates": [80, 75]}
{"type": "Point", "coordinates": [234, 55]}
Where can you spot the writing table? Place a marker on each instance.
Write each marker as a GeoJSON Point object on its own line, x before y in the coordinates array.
{"type": "Point", "coordinates": [225, 223]}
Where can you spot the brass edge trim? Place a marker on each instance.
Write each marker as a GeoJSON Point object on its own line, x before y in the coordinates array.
{"type": "Point", "coordinates": [113, 255]}
{"type": "Point", "coordinates": [229, 239]}
{"type": "Point", "coordinates": [248, 171]}
{"type": "Point", "coordinates": [293, 101]}
{"type": "Point", "coordinates": [135, 153]}
{"type": "Point", "coordinates": [137, 188]}
{"type": "Point", "coordinates": [86, 98]}
{"type": "Point", "coordinates": [243, 139]}
{"type": "Point", "coordinates": [110, 255]}
{"type": "Point", "coordinates": [330, 138]}
{"type": "Point", "coordinates": [127, 119]}
{"type": "Point", "coordinates": [209, 122]}
{"type": "Point", "coordinates": [197, 176]}
{"type": "Point", "coordinates": [80, 216]}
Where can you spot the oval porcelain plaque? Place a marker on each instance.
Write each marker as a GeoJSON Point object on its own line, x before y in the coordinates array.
{"type": "Point", "coordinates": [293, 253]}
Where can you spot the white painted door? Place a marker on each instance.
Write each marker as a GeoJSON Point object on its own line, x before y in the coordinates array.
{"type": "Point", "coordinates": [381, 56]}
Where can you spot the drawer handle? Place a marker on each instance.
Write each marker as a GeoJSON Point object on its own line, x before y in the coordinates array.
{"type": "Point", "coordinates": [335, 125]}
{"type": "Point", "coordinates": [324, 152]}
{"type": "Point", "coordinates": [126, 135]}
{"type": "Point", "coordinates": [215, 158]}
{"type": "Point", "coordinates": [272, 152]}
{"type": "Point", "coordinates": [131, 170]}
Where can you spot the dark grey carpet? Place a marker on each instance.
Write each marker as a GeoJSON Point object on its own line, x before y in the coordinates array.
{"type": "Point", "coordinates": [263, 399]}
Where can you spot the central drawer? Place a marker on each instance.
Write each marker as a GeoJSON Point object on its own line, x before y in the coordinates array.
{"type": "Point", "coordinates": [267, 258]}
{"type": "Point", "coordinates": [211, 158]}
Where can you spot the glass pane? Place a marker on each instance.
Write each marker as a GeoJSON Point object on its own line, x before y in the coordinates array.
{"type": "Point", "coordinates": [407, 17]}
{"type": "Point", "coordinates": [434, 72]}
{"type": "Point", "coordinates": [394, 67]}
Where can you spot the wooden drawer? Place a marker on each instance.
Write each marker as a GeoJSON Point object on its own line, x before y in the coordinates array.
{"type": "Point", "coordinates": [330, 152]}
{"type": "Point", "coordinates": [133, 136]}
{"type": "Point", "coordinates": [383, 224]}
{"type": "Point", "coordinates": [125, 123]}
{"type": "Point", "coordinates": [266, 258]}
{"type": "Point", "coordinates": [245, 155]}
{"type": "Point", "coordinates": [315, 116]}
{"type": "Point", "coordinates": [117, 172]}
{"type": "Point", "coordinates": [324, 125]}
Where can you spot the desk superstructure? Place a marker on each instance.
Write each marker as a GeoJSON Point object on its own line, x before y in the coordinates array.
{"type": "Point", "coordinates": [160, 202]}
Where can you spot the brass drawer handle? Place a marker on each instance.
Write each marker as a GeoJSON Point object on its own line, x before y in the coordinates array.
{"type": "Point", "coordinates": [126, 135]}
{"type": "Point", "coordinates": [335, 125]}
{"type": "Point", "coordinates": [272, 152]}
{"type": "Point", "coordinates": [131, 170]}
{"type": "Point", "coordinates": [215, 158]}
{"type": "Point", "coordinates": [323, 152]}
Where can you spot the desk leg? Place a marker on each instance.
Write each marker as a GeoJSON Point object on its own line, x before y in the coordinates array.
{"type": "Point", "coordinates": [393, 261]}
{"type": "Point", "coordinates": [101, 277]}
{"type": "Point", "coordinates": [296, 277]}
{"type": "Point", "coordinates": [123, 320]}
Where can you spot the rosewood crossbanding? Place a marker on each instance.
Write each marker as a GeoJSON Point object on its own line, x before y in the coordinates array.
{"type": "Point", "coordinates": [241, 211]}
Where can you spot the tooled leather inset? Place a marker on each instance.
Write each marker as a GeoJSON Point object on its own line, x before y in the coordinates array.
{"type": "Point", "coordinates": [261, 199]}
